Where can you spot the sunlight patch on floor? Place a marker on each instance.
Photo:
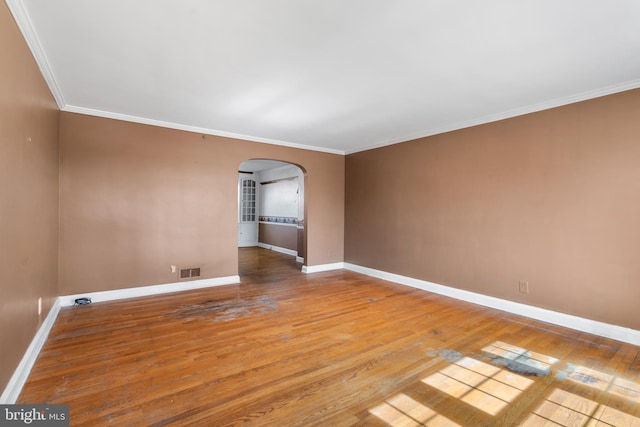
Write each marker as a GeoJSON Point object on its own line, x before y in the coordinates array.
{"type": "Point", "coordinates": [479, 384]}
{"type": "Point", "coordinates": [600, 381]}
{"type": "Point", "coordinates": [566, 409]}
{"type": "Point", "coordinates": [403, 411]}
{"type": "Point", "coordinates": [509, 372]}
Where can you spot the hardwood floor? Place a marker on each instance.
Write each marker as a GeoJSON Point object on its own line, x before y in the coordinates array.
{"type": "Point", "coordinates": [329, 349]}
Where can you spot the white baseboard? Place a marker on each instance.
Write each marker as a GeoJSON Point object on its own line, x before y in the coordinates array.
{"type": "Point", "coordinates": [282, 250]}
{"type": "Point", "coordinates": [14, 387]}
{"type": "Point", "coordinates": [322, 267]}
{"type": "Point", "coordinates": [594, 327]}
{"type": "Point", "coordinates": [247, 244]}
{"type": "Point", "coordinates": [19, 378]}
{"type": "Point", "coordinates": [278, 249]}
{"type": "Point", "coordinates": [143, 291]}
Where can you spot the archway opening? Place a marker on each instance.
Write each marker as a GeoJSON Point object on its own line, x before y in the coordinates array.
{"type": "Point", "coordinates": [272, 209]}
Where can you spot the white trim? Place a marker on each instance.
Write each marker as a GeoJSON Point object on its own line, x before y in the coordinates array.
{"type": "Point", "coordinates": [278, 249]}
{"type": "Point", "coordinates": [516, 112]}
{"type": "Point", "coordinates": [521, 111]}
{"type": "Point", "coordinates": [143, 291]}
{"type": "Point", "coordinates": [308, 269]}
{"type": "Point", "coordinates": [594, 327]}
{"type": "Point", "coordinates": [196, 129]}
{"type": "Point", "coordinates": [299, 259]}
{"type": "Point", "coordinates": [19, 378]}
{"type": "Point", "coordinates": [21, 17]}
{"type": "Point", "coordinates": [248, 245]}
{"type": "Point", "coordinates": [17, 381]}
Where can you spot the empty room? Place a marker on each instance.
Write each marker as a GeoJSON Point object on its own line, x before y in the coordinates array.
{"type": "Point", "coordinates": [320, 213]}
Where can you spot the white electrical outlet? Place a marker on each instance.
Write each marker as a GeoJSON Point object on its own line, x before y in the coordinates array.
{"type": "Point", "coordinates": [523, 286]}
{"type": "Point", "coordinates": [174, 269]}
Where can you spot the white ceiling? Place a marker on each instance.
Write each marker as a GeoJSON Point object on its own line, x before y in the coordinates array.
{"type": "Point", "coordinates": [330, 75]}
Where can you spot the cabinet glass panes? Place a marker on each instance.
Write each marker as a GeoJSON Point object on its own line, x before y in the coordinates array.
{"type": "Point", "coordinates": [248, 201]}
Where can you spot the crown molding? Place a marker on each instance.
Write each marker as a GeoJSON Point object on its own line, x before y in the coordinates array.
{"type": "Point", "coordinates": [196, 129]}
{"type": "Point", "coordinates": [521, 111]}
{"type": "Point", "coordinates": [19, 12]}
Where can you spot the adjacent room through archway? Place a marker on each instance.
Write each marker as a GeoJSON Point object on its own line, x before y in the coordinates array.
{"type": "Point", "coordinates": [271, 208]}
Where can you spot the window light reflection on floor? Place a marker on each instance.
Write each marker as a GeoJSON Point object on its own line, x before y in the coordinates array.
{"type": "Point", "coordinates": [626, 389]}
{"type": "Point", "coordinates": [600, 381]}
{"type": "Point", "coordinates": [479, 384]}
{"type": "Point", "coordinates": [566, 409]}
{"type": "Point", "coordinates": [403, 411]}
{"type": "Point", "coordinates": [491, 387]}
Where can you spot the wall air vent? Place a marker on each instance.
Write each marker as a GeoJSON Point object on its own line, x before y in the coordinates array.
{"type": "Point", "coordinates": [189, 273]}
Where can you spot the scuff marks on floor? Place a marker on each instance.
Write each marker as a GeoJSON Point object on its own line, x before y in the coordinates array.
{"type": "Point", "coordinates": [523, 365]}
{"type": "Point", "coordinates": [564, 374]}
{"type": "Point", "coordinates": [583, 378]}
{"type": "Point", "coordinates": [450, 355]}
{"type": "Point", "coordinates": [225, 310]}
{"type": "Point", "coordinates": [519, 360]}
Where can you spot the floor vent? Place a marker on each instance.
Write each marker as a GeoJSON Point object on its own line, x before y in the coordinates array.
{"type": "Point", "coordinates": [188, 273]}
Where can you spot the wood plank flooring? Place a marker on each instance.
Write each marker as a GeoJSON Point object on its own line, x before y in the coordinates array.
{"type": "Point", "coordinates": [326, 349]}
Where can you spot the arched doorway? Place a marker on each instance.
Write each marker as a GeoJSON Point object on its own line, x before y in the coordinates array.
{"type": "Point", "coordinates": [271, 207]}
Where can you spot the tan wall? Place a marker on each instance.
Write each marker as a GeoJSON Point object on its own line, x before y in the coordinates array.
{"type": "Point", "coordinates": [278, 235]}
{"type": "Point", "coordinates": [136, 199]}
{"type": "Point", "coordinates": [28, 196]}
{"type": "Point", "coordinates": [552, 198]}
